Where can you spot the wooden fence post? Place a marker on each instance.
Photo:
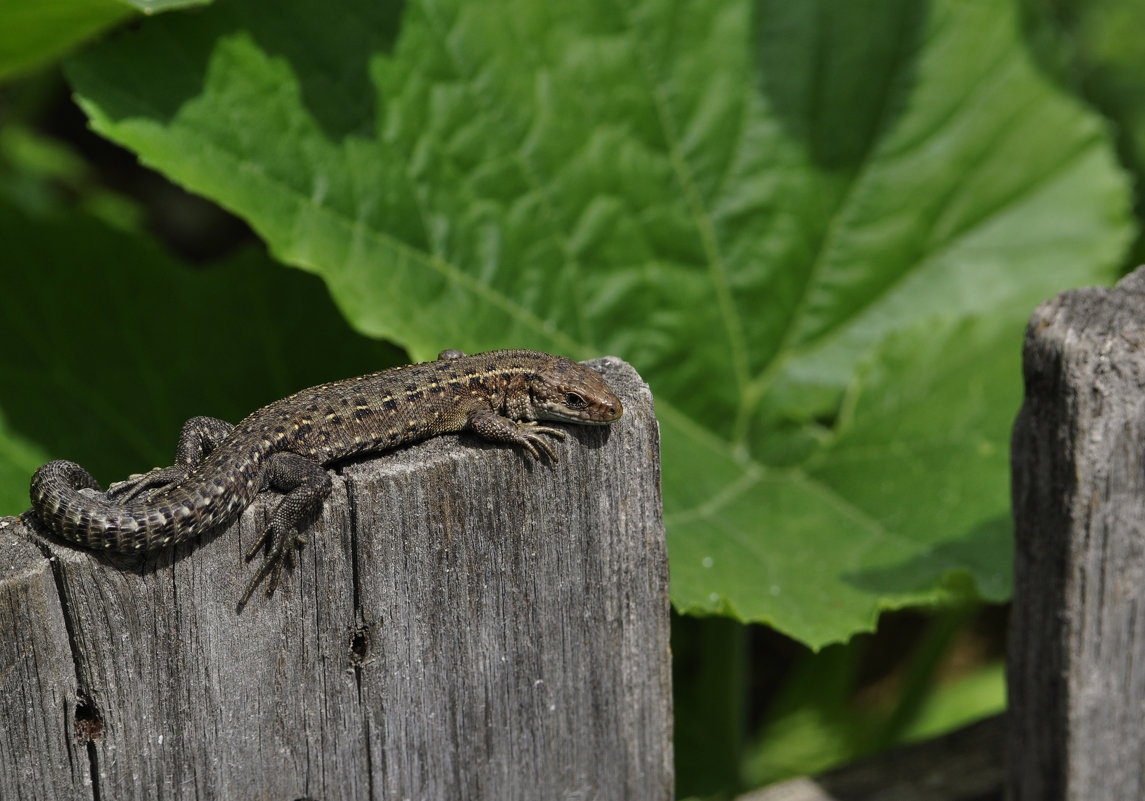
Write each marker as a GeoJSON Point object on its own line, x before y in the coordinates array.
{"type": "Point", "coordinates": [464, 624]}
{"type": "Point", "coordinates": [1077, 639]}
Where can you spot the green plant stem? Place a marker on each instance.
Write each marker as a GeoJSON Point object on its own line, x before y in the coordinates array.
{"type": "Point", "coordinates": [933, 647]}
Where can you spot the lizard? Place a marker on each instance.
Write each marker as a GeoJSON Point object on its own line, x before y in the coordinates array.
{"type": "Point", "coordinates": [219, 468]}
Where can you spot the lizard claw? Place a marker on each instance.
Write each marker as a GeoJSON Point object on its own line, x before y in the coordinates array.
{"type": "Point", "coordinates": [280, 550]}
{"type": "Point", "coordinates": [531, 431]}
{"type": "Point", "coordinates": [149, 484]}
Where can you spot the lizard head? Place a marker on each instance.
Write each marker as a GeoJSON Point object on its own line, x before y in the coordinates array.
{"type": "Point", "coordinates": [566, 390]}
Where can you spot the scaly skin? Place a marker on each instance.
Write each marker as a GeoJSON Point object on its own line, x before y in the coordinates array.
{"type": "Point", "coordinates": [219, 468]}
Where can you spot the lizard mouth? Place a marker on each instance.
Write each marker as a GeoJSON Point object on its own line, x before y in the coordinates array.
{"type": "Point", "coordinates": [597, 415]}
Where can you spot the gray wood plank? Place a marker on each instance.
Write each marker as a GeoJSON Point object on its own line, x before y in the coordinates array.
{"type": "Point", "coordinates": [1076, 668]}
{"type": "Point", "coordinates": [464, 624]}
{"type": "Point", "coordinates": [40, 707]}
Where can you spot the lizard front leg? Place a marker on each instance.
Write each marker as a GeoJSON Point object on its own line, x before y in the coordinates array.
{"type": "Point", "coordinates": [491, 425]}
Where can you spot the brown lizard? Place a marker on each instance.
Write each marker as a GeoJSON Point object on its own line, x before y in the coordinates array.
{"type": "Point", "coordinates": [220, 468]}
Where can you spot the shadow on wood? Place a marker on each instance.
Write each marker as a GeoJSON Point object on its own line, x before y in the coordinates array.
{"type": "Point", "coordinates": [464, 624]}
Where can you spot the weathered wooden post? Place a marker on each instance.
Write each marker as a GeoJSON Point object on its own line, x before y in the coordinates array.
{"type": "Point", "coordinates": [464, 624]}
{"type": "Point", "coordinates": [1077, 639]}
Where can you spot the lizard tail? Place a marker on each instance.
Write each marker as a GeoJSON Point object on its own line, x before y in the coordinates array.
{"type": "Point", "coordinates": [89, 519]}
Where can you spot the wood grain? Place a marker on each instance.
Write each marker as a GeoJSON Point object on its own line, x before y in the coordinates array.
{"type": "Point", "coordinates": [1076, 668]}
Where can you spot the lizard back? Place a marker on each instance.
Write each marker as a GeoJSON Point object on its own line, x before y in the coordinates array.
{"type": "Point", "coordinates": [283, 443]}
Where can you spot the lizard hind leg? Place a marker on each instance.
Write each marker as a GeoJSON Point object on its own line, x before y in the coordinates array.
{"type": "Point", "coordinates": [198, 437]}
{"type": "Point", "coordinates": [306, 485]}
{"type": "Point", "coordinates": [144, 486]}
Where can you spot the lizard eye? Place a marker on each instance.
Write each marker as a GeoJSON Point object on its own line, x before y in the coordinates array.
{"type": "Point", "coordinates": [574, 401]}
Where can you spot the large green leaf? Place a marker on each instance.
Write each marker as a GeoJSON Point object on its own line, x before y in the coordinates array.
{"type": "Point", "coordinates": [784, 214]}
